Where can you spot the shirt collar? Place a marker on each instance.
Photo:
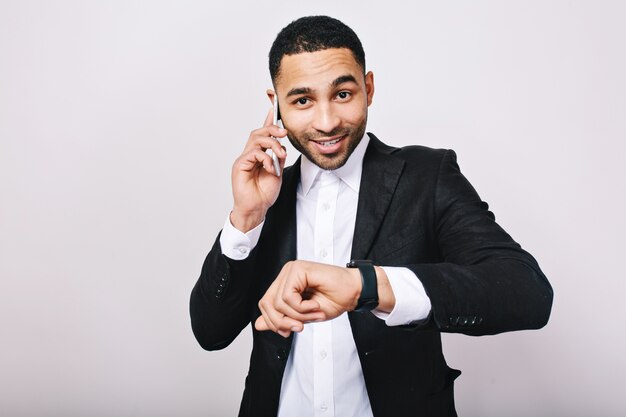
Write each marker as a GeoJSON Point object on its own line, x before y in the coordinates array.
{"type": "Point", "coordinates": [350, 172]}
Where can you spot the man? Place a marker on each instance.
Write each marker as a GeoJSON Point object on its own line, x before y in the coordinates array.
{"type": "Point", "coordinates": [361, 340]}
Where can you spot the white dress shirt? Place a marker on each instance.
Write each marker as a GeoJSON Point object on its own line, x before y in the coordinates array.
{"type": "Point", "coordinates": [323, 375]}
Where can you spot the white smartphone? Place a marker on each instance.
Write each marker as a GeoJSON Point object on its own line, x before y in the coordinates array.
{"type": "Point", "coordinates": [269, 151]}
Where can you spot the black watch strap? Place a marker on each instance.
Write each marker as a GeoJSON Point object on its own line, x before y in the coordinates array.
{"type": "Point", "coordinates": [369, 290]}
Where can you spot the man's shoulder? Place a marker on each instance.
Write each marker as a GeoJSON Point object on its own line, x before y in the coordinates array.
{"type": "Point", "coordinates": [413, 155]}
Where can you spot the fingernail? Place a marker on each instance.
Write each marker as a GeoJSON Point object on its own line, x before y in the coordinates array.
{"type": "Point", "coordinates": [295, 329]}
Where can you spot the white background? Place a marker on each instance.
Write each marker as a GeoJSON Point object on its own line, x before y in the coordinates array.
{"type": "Point", "coordinates": [119, 121]}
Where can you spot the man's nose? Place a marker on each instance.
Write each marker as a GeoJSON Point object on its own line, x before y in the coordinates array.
{"type": "Point", "coordinates": [326, 119]}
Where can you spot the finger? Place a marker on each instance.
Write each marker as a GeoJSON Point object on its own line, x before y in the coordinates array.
{"type": "Point", "coordinates": [328, 308]}
{"type": "Point", "coordinates": [287, 298]}
{"type": "Point", "coordinates": [253, 159]}
{"type": "Point", "coordinates": [269, 324]}
{"type": "Point", "coordinates": [268, 131]}
{"type": "Point", "coordinates": [265, 138]}
{"type": "Point", "coordinates": [277, 131]}
{"type": "Point", "coordinates": [261, 325]}
{"type": "Point", "coordinates": [273, 301]}
{"type": "Point", "coordinates": [303, 313]}
{"type": "Point", "coordinates": [300, 306]}
{"type": "Point", "coordinates": [277, 321]}
{"type": "Point", "coordinates": [294, 294]}
{"type": "Point", "coordinates": [284, 309]}
{"type": "Point", "coordinates": [266, 306]}
{"type": "Point", "coordinates": [276, 147]}
{"type": "Point", "coordinates": [282, 160]}
{"type": "Point", "coordinates": [269, 119]}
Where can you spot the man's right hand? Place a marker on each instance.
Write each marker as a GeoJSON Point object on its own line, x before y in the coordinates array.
{"type": "Point", "coordinates": [255, 184]}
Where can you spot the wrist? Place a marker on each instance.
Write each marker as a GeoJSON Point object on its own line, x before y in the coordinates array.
{"type": "Point", "coordinates": [386, 297]}
{"type": "Point", "coordinates": [245, 221]}
{"type": "Point", "coordinates": [355, 276]}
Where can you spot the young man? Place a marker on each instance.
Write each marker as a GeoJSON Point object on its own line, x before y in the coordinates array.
{"type": "Point", "coordinates": [362, 339]}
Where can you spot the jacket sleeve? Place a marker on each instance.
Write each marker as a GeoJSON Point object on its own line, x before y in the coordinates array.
{"type": "Point", "coordinates": [486, 283]}
{"type": "Point", "coordinates": [220, 300]}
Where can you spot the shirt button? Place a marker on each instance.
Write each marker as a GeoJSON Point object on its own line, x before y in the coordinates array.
{"type": "Point", "coordinates": [323, 354]}
{"type": "Point", "coordinates": [323, 407]}
{"type": "Point", "coordinates": [323, 253]}
{"type": "Point", "coordinates": [243, 250]}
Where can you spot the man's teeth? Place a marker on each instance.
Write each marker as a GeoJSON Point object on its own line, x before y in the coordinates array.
{"type": "Point", "coordinates": [330, 142]}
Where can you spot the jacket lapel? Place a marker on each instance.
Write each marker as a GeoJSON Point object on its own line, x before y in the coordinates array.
{"type": "Point", "coordinates": [381, 173]}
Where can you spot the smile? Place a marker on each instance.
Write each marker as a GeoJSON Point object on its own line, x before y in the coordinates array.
{"type": "Point", "coordinates": [330, 142]}
{"type": "Point", "coordinates": [329, 147]}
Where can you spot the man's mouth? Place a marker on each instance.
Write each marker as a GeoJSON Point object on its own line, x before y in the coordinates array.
{"type": "Point", "coordinates": [330, 142]}
{"type": "Point", "coordinates": [329, 146]}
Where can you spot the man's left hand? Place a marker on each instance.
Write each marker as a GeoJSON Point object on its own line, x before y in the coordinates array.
{"type": "Point", "coordinates": [306, 292]}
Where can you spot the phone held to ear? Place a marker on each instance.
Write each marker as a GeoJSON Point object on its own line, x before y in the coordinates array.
{"type": "Point", "coordinates": [269, 151]}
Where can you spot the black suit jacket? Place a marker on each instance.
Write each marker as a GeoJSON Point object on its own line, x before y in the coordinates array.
{"type": "Point", "coordinates": [416, 210]}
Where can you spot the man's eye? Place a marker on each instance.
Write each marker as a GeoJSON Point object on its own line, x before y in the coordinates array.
{"type": "Point", "coordinates": [302, 101]}
{"type": "Point", "coordinates": [343, 95]}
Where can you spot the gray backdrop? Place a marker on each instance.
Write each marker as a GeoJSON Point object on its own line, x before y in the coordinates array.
{"type": "Point", "coordinates": [119, 121]}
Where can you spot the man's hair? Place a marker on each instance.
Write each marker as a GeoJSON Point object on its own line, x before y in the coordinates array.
{"type": "Point", "coordinates": [312, 34]}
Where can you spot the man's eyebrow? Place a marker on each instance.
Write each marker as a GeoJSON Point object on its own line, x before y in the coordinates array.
{"type": "Point", "coordinates": [298, 91]}
{"type": "Point", "coordinates": [336, 82]}
{"type": "Point", "coordinates": [343, 79]}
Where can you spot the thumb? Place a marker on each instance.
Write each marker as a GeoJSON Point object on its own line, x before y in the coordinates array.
{"type": "Point", "coordinates": [260, 324]}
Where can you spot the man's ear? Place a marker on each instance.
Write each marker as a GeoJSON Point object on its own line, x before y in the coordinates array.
{"type": "Point", "coordinates": [270, 94]}
{"type": "Point", "coordinates": [369, 87]}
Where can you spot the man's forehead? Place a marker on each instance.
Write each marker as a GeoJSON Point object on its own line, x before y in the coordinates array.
{"type": "Point", "coordinates": [319, 68]}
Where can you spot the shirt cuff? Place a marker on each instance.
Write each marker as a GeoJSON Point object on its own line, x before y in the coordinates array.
{"type": "Point", "coordinates": [412, 303]}
{"type": "Point", "coordinates": [237, 245]}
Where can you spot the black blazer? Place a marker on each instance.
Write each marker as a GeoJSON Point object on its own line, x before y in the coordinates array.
{"type": "Point", "coordinates": [416, 210]}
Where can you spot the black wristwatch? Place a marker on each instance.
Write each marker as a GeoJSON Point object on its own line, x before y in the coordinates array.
{"type": "Point", "coordinates": [369, 291]}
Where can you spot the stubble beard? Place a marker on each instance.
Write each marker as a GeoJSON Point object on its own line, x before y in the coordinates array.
{"type": "Point", "coordinates": [332, 161]}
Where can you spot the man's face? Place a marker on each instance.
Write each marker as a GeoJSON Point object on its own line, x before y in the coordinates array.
{"type": "Point", "coordinates": [323, 99]}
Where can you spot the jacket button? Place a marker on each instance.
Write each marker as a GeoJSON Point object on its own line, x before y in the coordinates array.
{"type": "Point", "coordinates": [281, 354]}
{"type": "Point", "coordinates": [464, 321]}
{"type": "Point", "coordinates": [473, 321]}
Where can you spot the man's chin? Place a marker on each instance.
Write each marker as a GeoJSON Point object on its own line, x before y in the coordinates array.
{"type": "Point", "coordinates": [329, 163]}
{"type": "Point", "coordinates": [326, 162]}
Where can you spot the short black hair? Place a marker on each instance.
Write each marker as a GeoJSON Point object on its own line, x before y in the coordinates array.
{"type": "Point", "coordinates": [312, 34]}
